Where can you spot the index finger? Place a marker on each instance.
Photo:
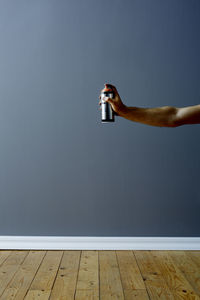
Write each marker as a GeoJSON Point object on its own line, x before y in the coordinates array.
{"type": "Point", "coordinates": [113, 87]}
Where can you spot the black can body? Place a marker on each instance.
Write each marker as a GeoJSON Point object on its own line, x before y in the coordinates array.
{"type": "Point", "coordinates": [107, 113]}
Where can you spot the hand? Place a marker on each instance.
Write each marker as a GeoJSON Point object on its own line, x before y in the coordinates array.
{"type": "Point", "coordinates": [116, 103]}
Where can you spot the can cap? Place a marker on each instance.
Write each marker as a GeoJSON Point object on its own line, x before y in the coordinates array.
{"type": "Point", "coordinates": [107, 88]}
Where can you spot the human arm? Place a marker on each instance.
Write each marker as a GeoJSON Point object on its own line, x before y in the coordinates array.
{"type": "Point", "coordinates": [166, 116]}
{"type": "Point", "coordinates": [158, 116]}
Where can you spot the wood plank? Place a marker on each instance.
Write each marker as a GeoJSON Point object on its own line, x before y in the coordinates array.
{"type": "Point", "coordinates": [110, 282]}
{"type": "Point", "coordinates": [152, 276]}
{"type": "Point", "coordinates": [20, 283]}
{"type": "Point", "coordinates": [179, 286]}
{"type": "Point", "coordinates": [38, 294]}
{"type": "Point", "coordinates": [10, 267]}
{"type": "Point", "coordinates": [190, 270]}
{"type": "Point", "coordinates": [44, 279]}
{"type": "Point", "coordinates": [136, 295]}
{"type": "Point", "coordinates": [195, 256]}
{"type": "Point", "coordinates": [4, 255]}
{"type": "Point", "coordinates": [88, 275]}
{"type": "Point", "coordinates": [130, 274]}
{"type": "Point", "coordinates": [87, 295]}
{"type": "Point", "coordinates": [65, 283]}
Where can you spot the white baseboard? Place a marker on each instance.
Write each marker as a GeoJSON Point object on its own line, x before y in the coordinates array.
{"type": "Point", "coordinates": [98, 243]}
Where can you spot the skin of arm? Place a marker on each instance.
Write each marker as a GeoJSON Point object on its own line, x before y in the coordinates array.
{"type": "Point", "coordinates": [166, 116]}
{"type": "Point", "coordinates": [158, 116]}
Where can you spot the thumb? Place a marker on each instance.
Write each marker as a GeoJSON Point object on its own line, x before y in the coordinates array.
{"type": "Point", "coordinates": [109, 100]}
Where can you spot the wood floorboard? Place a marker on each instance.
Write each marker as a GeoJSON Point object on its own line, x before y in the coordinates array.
{"type": "Point", "coordinates": [99, 275]}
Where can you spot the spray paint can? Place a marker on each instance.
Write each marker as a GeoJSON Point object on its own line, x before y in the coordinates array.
{"type": "Point", "coordinates": [107, 113]}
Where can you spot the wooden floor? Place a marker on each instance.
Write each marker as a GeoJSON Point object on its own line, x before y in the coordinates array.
{"type": "Point", "coordinates": [87, 275]}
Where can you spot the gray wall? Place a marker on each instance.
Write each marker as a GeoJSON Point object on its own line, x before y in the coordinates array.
{"type": "Point", "coordinates": [62, 172]}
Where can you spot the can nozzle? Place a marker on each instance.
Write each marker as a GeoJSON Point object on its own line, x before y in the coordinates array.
{"type": "Point", "coordinates": [107, 88]}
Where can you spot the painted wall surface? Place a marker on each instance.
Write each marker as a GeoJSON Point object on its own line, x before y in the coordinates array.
{"type": "Point", "coordinates": [63, 172]}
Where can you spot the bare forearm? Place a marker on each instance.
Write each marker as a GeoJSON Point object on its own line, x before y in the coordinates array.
{"type": "Point", "coordinates": [158, 116]}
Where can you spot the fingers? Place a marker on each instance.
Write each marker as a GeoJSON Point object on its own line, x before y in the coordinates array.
{"type": "Point", "coordinates": [109, 85]}
{"type": "Point", "coordinates": [109, 100]}
{"type": "Point", "coordinates": [100, 103]}
{"type": "Point", "coordinates": [112, 86]}
{"type": "Point", "coordinates": [114, 89]}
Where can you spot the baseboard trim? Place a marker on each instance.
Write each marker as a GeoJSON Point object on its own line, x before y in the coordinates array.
{"type": "Point", "coordinates": [98, 243]}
